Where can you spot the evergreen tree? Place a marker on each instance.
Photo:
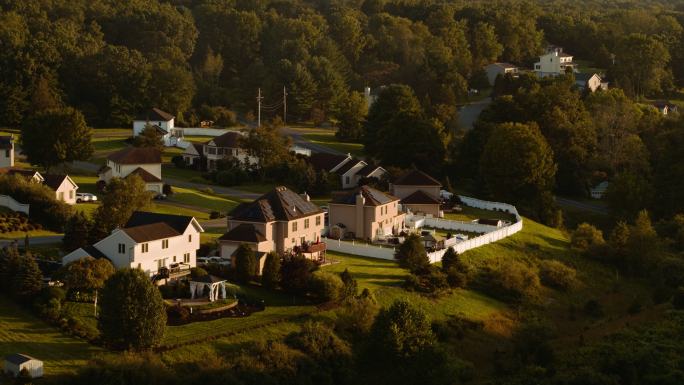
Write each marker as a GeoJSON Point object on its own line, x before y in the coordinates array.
{"type": "Point", "coordinates": [270, 276]}
{"type": "Point", "coordinates": [28, 279]}
{"type": "Point", "coordinates": [132, 311]}
{"type": "Point", "coordinates": [76, 232]}
{"type": "Point", "coordinates": [351, 287]}
{"type": "Point", "coordinates": [149, 137]}
{"type": "Point", "coordinates": [121, 199]}
{"type": "Point", "coordinates": [245, 263]}
{"type": "Point", "coordinates": [411, 254]}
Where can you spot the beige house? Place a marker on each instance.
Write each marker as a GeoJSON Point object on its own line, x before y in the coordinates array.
{"type": "Point", "coordinates": [590, 81]}
{"type": "Point", "coordinates": [162, 245]}
{"type": "Point", "coordinates": [365, 213]}
{"type": "Point", "coordinates": [63, 186]}
{"type": "Point", "coordinates": [419, 193]}
{"type": "Point", "coordinates": [6, 151]}
{"type": "Point", "coordinates": [221, 147]}
{"type": "Point", "coordinates": [281, 221]}
{"type": "Point", "coordinates": [141, 161]}
{"type": "Point", "coordinates": [499, 69]}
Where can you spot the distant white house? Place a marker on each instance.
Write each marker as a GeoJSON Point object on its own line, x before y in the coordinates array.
{"type": "Point", "coordinates": [599, 191]}
{"type": "Point", "coordinates": [7, 151]}
{"type": "Point", "coordinates": [349, 169]}
{"type": "Point", "coordinates": [495, 69]}
{"type": "Point", "coordinates": [590, 81]}
{"type": "Point", "coordinates": [665, 107]}
{"type": "Point", "coordinates": [141, 161]}
{"type": "Point", "coordinates": [63, 186]}
{"type": "Point", "coordinates": [161, 121]}
{"type": "Point", "coordinates": [220, 147]}
{"type": "Point", "coordinates": [553, 63]}
{"type": "Point", "coordinates": [15, 363]}
{"type": "Point", "coordinates": [155, 243]}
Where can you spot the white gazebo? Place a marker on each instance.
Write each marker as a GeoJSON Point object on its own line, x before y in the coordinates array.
{"type": "Point", "coordinates": [215, 284]}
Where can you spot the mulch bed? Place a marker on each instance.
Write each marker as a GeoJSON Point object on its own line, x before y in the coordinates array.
{"type": "Point", "coordinates": [241, 310]}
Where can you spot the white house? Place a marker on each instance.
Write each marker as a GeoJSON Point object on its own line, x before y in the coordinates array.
{"type": "Point", "coordinates": [598, 191]}
{"type": "Point", "coordinates": [554, 63]}
{"type": "Point", "coordinates": [162, 245]}
{"type": "Point", "coordinates": [7, 151]}
{"type": "Point", "coordinates": [64, 187]}
{"type": "Point", "coordinates": [163, 122]}
{"type": "Point", "coordinates": [590, 81]}
{"type": "Point", "coordinates": [495, 69]}
{"type": "Point", "coordinates": [350, 170]}
{"type": "Point", "coordinates": [31, 175]}
{"type": "Point", "coordinates": [141, 161]}
{"type": "Point", "coordinates": [220, 147]}
{"type": "Point", "coordinates": [665, 107]}
{"type": "Point", "coordinates": [15, 363]}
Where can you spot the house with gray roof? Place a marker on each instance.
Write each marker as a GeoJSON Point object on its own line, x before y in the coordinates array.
{"type": "Point", "coordinates": [349, 169]}
{"type": "Point", "coordinates": [280, 221]}
{"type": "Point", "coordinates": [142, 161]}
{"type": "Point", "coordinates": [162, 122]}
{"type": "Point", "coordinates": [419, 193]}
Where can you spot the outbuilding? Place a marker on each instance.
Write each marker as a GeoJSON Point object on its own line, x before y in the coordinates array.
{"type": "Point", "coordinates": [15, 363]}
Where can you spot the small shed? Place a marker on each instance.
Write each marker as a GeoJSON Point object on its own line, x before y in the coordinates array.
{"type": "Point", "coordinates": [15, 363]}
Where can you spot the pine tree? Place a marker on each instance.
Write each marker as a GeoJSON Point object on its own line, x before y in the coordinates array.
{"type": "Point", "coordinates": [76, 232]}
{"type": "Point", "coordinates": [270, 276]}
{"type": "Point", "coordinates": [28, 278]}
{"type": "Point", "coordinates": [245, 263]}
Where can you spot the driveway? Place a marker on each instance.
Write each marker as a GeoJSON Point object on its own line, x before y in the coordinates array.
{"type": "Point", "coordinates": [299, 140]}
{"type": "Point", "coordinates": [468, 114]}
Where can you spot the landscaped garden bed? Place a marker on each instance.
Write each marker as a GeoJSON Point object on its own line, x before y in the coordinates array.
{"type": "Point", "coordinates": [182, 315]}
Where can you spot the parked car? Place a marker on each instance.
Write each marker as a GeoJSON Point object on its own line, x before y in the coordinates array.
{"type": "Point", "coordinates": [85, 197]}
{"type": "Point", "coordinates": [160, 197]}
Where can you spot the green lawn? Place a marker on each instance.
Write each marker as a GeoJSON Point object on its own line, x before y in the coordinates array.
{"type": "Point", "coordinates": [170, 152]}
{"type": "Point", "coordinates": [328, 139]}
{"type": "Point", "coordinates": [208, 201]}
{"type": "Point", "coordinates": [21, 332]}
{"type": "Point", "coordinates": [107, 145]}
{"type": "Point", "coordinates": [184, 174]}
{"type": "Point", "coordinates": [471, 213]}
{"type": "Point", "coordinates": [384, 278]}
{"type": "Point", "coordinates": [165, 208]}
{"type": "Point", "coordinates": [198, 138]}
{"type": "Point", "coordinates": [21, 234]}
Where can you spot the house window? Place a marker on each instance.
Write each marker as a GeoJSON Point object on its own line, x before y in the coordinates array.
{"type": "Point", "coordinates": [306, 223]}
{"type": "Point", "coordinates": [161, 263]}
{"type": "Point", "coordinates": [293, 241]}
{"type": "Point", "coordinates": [165, 243]}
{"type": "Point", "coordinates": [346, 180]}
{"type": "Point", "coordinates": [189, 237]}
{"type": "Point", "coordinates": [294, 226]}
{"type": "Point", "coordinates": [60, 196]}
{"type": "Point", "coordinates": [186, 258]}
{"type": "Point", "coordinates": [174, 259]}
{"type": "Point", "coordinates": [122, 248]}
{"type": "Point", "coordinates": [302, 240]}
{"type": "Point", "coordinates": [7, 153]}
{"type": "Point", "coordinates": [211, 150]}
{"type": "Point", "coordinates": [318, 220]}
{"type": "Point", "coordinates": [145, 247]}
{"type": "Point", "coordinates": [71, 194]}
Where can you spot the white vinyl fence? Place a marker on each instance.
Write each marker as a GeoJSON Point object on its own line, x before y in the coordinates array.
{"type": "Point", "coordinates": [196, 131]}
{"type": "Point", "coordinates": [10, 203]}
{"type": "Point", "coordinates": [492, 233]}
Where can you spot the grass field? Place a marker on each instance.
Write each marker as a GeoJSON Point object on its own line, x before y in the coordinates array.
{"type": "Point", "coordinates": [471, 213]}
{"type": "Point", "coordinates": [328, 139]}
{"type": "Point", "coordinates": [165, 208]}
{"type": "Point", "coordinates": [21, 332]}
{"type": "Point", "coordinates": [200, 199]}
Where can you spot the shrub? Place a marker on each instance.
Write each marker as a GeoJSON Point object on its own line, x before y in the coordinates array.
{"type": "Point", "coordinates": [593, 308]}
{"type": "Point", "coordinates": [357, 315]}
{"type": "Point", "coordinates": [326, 286]}
{"type": "Point", "coordinates": [214, 214]}
{"type": "Point", "coordinates": [411, 254]}
{"type": "Point", "coordinates": [167, 189]}
{"type": "Point", "coordinates": [52, 292]}
{"type": "Point", "coordinates": [586, 237]}
{"type": "Point", "coordinates": [432, 281]}
{"type": "Point", "coordinates": [178, 161]}
{"type": "Point", "coordinates": [557, 275]}
{"type": "Point", "coordinates": [508, 279]}
{"type": "Point", "coordinates": [455, 278]}
{"type": "Point", "coordinates": [635, 307]}
{"type": "Point", "coordinates": [245, 263]}
{"type": "Point", "coordinates": [45, 208]}
{"type": "Point", "coordinates": [351, 287]}
{"type": "Point", "coordinates": [294, 274]}
{"type": "Point", "coordinates": [270, 276]}
{"type": "Point", "coordinates": [197, 272]}
{"type": "Point", "coordinates": [178, 312]}
{"type": "Point", "coordinates": [678, 299]}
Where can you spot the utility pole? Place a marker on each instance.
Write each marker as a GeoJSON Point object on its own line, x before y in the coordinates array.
{"type": "Point", "coordinates": [259, 97]}
{"type": "Point", "coordinates": [284, 105]}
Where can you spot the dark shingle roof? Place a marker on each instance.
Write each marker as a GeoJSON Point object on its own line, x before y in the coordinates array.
{"type": "Point", "coordinates": [177, 222]}
{"type": "Point", "coordinates": [18, 359]}
{"type": "Point", "coordinates": [368, 169]}
{"type": "Point", "coordinates": [6, 142]}
{"type": "Point", "coordinates": [144, 175]}
{"type": "Point", "coordinates": [136, 155]}
{"type": "Point", "coordinates": [229, 139]}
{"type": "Point", "coordinates": [373, 197]}
{"type": "Point", "coordinates": [584, 76]}
{"type": "Point", "coordinates": [160, 130]}
{"type": "Point", "coordinates": [419, 197]}
{"type": "Point", "coordinates": [94, 252]}
{"type": "Point", "coordinates": [278, 204]}
{"type": "Point", "coordinates": [322, 161]}
{"type": "Point", "coordinates": [243, 233]}
{"type": "Point", "coordinates": [416, 178]}
{"type": "Point", "coordinates": [152, 232]}
{"type": "Point", "coordinates": [53, 181]}
{"type": "Point", "coordinates": [348, 166]}
{"type": "Point", "coordinates": [155, 114]}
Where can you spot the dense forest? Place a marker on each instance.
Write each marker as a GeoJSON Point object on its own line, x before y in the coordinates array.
{"type": "Point", "coordinates": [112, 59]}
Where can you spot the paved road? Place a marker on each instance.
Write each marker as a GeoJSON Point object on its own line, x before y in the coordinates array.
{"type": "Point", "coordinates": [468, 114]}
{"type": "Point", "coordinates": [594, 208]}
{"type": "Point", "coordinates": [299, 140]}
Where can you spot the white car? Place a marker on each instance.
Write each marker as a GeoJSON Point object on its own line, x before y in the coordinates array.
{"type": "Point", "coordinates": [446, 195]}
{"type": "Point", "coordinates": [85, 197]}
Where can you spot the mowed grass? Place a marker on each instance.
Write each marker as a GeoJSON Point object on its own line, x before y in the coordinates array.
{"type": "Point", "coordinates": [329, 140]}
{"type": "Point", "coordinates": [21, 332]}
{"type": "Point", "coordinates": [385, 278]}
{"type": "Point", "coordinates": [165, 208]}
{"type": "Point", "coordinates": [200, 199]}
{"type": "Point", "coordinates": [468, 214]}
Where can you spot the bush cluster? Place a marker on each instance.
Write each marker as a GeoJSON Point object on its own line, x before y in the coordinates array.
{"type": "Point", "coordinates": [12, 221]}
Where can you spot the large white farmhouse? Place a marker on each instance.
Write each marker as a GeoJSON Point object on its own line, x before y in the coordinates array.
{"type": "Point", "coordinates": [162, 245]}
{"type": "Point", "coordinates": [141, 161]}
{"type": "Point", "coordinates": [163, 122]}
{"type": "Point", "coordinates": [553, 63]}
